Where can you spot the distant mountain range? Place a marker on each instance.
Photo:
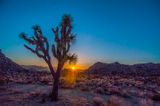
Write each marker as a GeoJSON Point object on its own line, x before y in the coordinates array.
{"type": "Point", "coordinates": [146, 69]}
{"type": "Point", "coordinates": [35, 68]}
{"type": "Point", "coordinates": [8, 67]}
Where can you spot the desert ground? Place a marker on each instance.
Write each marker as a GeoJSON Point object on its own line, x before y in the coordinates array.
{"type": "Point", "coordinates": [90, 90]}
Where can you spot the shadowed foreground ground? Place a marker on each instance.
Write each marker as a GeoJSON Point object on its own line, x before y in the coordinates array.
{"type": "Point", "coordinates": [32, 94]}
{"type": "Point", "coordinates": [13, 94]}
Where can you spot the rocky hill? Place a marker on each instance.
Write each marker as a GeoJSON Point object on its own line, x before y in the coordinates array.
{"type": "Point", "coordinates": [12, 72]}
{"type": "Point", "coordinates": [122, 69]}
{"type": "Point", "coordinates": [7, 64]}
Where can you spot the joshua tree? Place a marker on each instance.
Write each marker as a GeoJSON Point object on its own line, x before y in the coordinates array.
{"type": "Point", "coordinates": [63, 38]}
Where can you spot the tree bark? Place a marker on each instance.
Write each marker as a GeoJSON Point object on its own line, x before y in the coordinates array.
{"type": "Point", "coordinates": [51, 68]}
{"type": "Point", "coordinates": [54, 94]}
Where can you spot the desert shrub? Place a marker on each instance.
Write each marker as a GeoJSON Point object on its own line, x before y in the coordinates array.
{"type": "Point", "coordinates": [124, 93]}
{"type": "Point", "coordinates": [84, 88]}
{"type": "Point", "coordinates": [45, 82]}
{"type": "Point", "coordinates": [2, 82]}
{"type": "Point", "coordinates": [145, 102]}
{"type": "Point", "coordinates": [100, 90]}
{"type": "Point", "coordinates": [117, 101]}
{"type": "Point", "coordinates": [114, 90]}
{"type": "Point", "coordinates": [65, 83]}
{"type": "Point", "coordinates": [80, 102]}
{"type": "Point", "coordinates": [98, 101]}
{"type": "Point", "coordinates": [156, 97]}
{"type": "Point", "coordinates": [35, 93]}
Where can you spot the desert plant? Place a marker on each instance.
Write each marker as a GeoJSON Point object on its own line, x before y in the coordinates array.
{"type": "Point", "coordinates": [60, 48]}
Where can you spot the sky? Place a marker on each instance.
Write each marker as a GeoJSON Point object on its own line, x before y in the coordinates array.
{"type": "Point", "coordinates": [126, 31]}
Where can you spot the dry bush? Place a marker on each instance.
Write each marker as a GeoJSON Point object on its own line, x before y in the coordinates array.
{"type": "Point", "coordinates": [100, 90]}
{"type": "Point", "coordinates": [117, 101]}
{"type": "Point", "coordinates": [145, 102]}
{"type": "Point", "coordinates": [80, 102]}
{"type": "Point", "coordinates": [98, 101]}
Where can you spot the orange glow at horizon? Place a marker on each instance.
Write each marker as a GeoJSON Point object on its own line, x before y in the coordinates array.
{"type": "Point", "coordinates": [82, 64]}
{"type": "Point", "coordinates": [76, 67]}
{"type": "Point", "coordinates": [39, 62]}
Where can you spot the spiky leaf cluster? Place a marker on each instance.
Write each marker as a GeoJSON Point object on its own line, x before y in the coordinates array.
{"type": "Point", "coordinates": [63, 40]}
{"type": "Point", "coordinates": [40, 43]}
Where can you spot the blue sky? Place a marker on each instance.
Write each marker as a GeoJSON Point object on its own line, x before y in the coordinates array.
{"type": "Point", "coordinates": [127, 31]}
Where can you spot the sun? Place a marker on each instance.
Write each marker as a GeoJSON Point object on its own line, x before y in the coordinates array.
{"type": "Point", "coordinates": [73, 68]}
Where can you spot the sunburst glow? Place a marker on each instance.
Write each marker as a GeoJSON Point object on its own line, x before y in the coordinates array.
{"type": "Point", "coordinates": [73, 68]}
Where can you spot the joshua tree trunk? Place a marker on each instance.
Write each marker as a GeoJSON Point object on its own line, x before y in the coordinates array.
{"type": "Point", "coordinates": [54, 95]}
